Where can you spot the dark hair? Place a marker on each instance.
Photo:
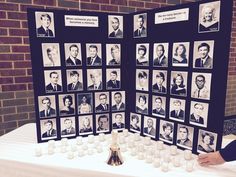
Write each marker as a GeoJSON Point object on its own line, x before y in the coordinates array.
{"type": "Point", "coordinates": [143, 97]}
{"type": "Point", "coordinates": [142, 74]}
{"type": "Point", "coordinates": [204, 45]}
{"type": "Point", "coordinates": [93, 46]}
{"type": "Point", "coordinates": [48, 121]}
{"type": "Point", "coordinates": [114, 72]}
{"type": "Point", "coordinates": [119, 115]}
{"type": "Point", "coordinates": [67, 119]}
{"type": "Point", "coordinates": [102, 116]}
{"type": "Point", "coordinates": [158, 98]}
{"type": "Point", "coordinates": [102, 94]}
{"type": "Point", "coordinates": [142, 47]}
{"type": "Point", "coordinates": [183, 55]}
{"type": "Point", "coordinates": [116, 19]}
{"type": "Point", "coordinates": [69, 98]}
{"type": "Point", "coordinates": [51, 73]}
{"type": "Point", "coordinates": [74, 45]}
{"type": "Point", "coordinates": [162, 46]}
{"type": "Point", "coordinates": [46, 98]}
{"type": "Point", "coordinates": [142, 17]}
{"type": "Point", "coordinates": [46, 15]}
{"type": "Point", "coordinates": [72, 73]}
{"type": "Point", "coordinates": [184, 128]}
{"type": "Point", "coordinates": [118, 93]}
{"type": "Point", "coordinates": [161, 74]}
{"type": "Point", "coordinates": [134, 116]}
{"type": "Point", "coordinates": [202, 76]}
{"type": "Point", "coordinates": [114, 47]}
{"type": "Point", "coordinates": [164, 126]}
{"type": "Point", "coordinates": [198, 104]}
{"type": "Point", "coordinates": [212, 138]}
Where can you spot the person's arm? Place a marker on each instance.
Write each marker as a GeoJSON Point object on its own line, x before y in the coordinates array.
{"type": "Point", "coordinates": [229, 152]}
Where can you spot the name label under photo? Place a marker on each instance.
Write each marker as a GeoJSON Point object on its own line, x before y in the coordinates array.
{"type": "Point", "coordinates": [172, 16]}
{"type": "Point", "coordinates": [81, 21]}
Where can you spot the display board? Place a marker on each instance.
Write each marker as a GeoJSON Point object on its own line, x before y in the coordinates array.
{"type": "Point", "coordinates": [161, 73]}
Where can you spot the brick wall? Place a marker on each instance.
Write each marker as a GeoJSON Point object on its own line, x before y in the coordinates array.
{"type": "Point", "coordinates": [16, 94]}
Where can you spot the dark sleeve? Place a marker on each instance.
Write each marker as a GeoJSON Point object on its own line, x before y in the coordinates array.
{"type": "Point", "coordinates": [229, 152]}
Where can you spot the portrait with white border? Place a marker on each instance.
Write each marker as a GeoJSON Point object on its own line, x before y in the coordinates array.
{"type": "Point", "coordinates": [135, 122]}
{"type": "Point", "coordinates": [68, 126]}
{"type": "Point", "coordinates": [166, 131]}
{"type": "Point", "coordinates": [51, 54]}
{"type": "Point", "coordinates": [185, 136]}
{"type": "Point", "coordinates": [149, 126]}
{"type": "Point", "coordinates": [48, 129]}
{"type": "Point", "coordinates": [206, 141]}
{"type": "Point", "coordinates": [85, 124]}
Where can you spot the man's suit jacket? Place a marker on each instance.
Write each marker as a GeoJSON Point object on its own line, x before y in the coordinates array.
{"type": "Point", "coordinates": [49, 88]}
{"type": "Point", "coordinates": [110, 84]}
{"type": "Point", "coordinates": [193, 119]}
{"type": "Point", "coordinates": [53, 133]}
{"type": "Point", "coordinates": [115, 126]}
{"type": "Point", "coordinates": [69, 62]}
{"type": "Point", "coordinates": [152, 131]}
{"type": "Point", "coordinates": [118, 34]}
{"type": "Point", "coordinates": [180, 116]}
{"type": "Point", "coordinates": [163, 62]}
{"type": "Point", "coordinates": [122, 107]}
{"type": "Point", "coordinates": [52, 112]}
{"type": "Point", "coordinates": [91, 87]}
{"type": "Point", "coordinates": [100, 108]}
{"type": "Point", "coordinates": [72, 131]}
{"type": "Point", "coordinates": [42, 33]}
{"type": "Point", "coordinates": [142, 34]}
{"type": "Point", "coordinates": [161, 112]}
{"type": "Point", "coordinates": [97, 61]}
{"type": "Point", "coordinates": [156, 88]}
{"type": "Point", "coordinates": [78, 86]}
{"type": "Point", "coordinates": [207, 64]}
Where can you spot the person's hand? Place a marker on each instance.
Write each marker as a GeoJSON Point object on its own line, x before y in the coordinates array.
{"type": "Point", "coordinates": [213, 158]}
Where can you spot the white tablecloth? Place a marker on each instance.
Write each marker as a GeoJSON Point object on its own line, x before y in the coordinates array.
{"type": "Point", "coordinates": [17, 160]}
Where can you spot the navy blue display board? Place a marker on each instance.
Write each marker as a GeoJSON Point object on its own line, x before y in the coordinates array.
{"type": "Point", "coordinates": [163, 73]}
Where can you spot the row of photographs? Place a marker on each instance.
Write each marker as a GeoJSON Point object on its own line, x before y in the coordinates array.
{"type": "Point", "coordinates": [164, 131]}
{"type": "Point", "coordinates": [81, 103]}
{"type": "Point", "coordinates": [209, 21]}
{"type": "Point", "coordinates": [202, 54]}
{"type": "Point", "coordinates": [200, 85]}
{"type": "Point", "coordinates": [74, 79]}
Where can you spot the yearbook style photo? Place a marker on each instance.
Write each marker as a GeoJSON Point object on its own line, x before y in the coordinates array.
{"type": "Point", "coordinates": [149, 127]}
{"type": "Point", "coordinates": [47, 106]}
{"type": "Point", "coordinates": [180, 54]}
{"type": "Point", "coordinates": [206, 141]}
{"type": "Point", "coordinates": [102, 102]}
{"type": "Point", "coordinates": [85, 103]}
{"type": "Point", "coordinates": [85, 125]}
{"type": "Point", "coordinates": [185, 136]}
{"type": "Point", "coordinates": [142, 77]}
{"type": "Point", "coordinates": [73, 54]}
{"type": "Point", "coordinates": [166, 131]}
{"type": "Point", "coordinates": [135, 122]}
{"type": "Point", "coordinates": [158, 106]}
{"type": "Point", "coordinates": [179, 83]}
{"type": "Point", "coordinates": [118, 101]}
{"type": "Point", "coordinates": [113, 77]}
{"type": "Point", "coordinates": [115, 26]}
{"type": "Point", "coordinates": [160, 54]}
{"type": "Point", "coordinates": [66, 104]}
{"type": "Point", "coordinates": [51, 54]}
{"type": "Point", "coordinates": [94, 79]}
{"type": "Point", "coordinates": [118, 121]}
{"type": "Point", "coordinates": [53, 82]}
{"type": "Point", "coordinates": [94, 54]}
{"type": "Point", "coordinates": [48, 129]}
{"type": "Point", "coordinates": [142, 54]}
{"type": "Point", "coordinates": [102, 123]}
{"type": "Point", "coordinates": [159, 83]}
{"type": "Point", "coordinates": [74, 80]}
{"type": "Point", "coordinates": [113, 54]}
{"type": "Point", "coordinates": [68, 127]}
{"type": "Point", "coordinates": [142, 103]}
{"type": "Point", "coordinates": [177, 109]}
{"type": "Point", "coordinates": [140, 25]}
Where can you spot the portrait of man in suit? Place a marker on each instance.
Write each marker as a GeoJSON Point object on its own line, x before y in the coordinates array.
{"type": "Point", "coordinates": [69, 129]}
{"type": "Point", "coordinates": [113, 83]}
{"type": "Point", "coordinates": [201, 91]}
{"type": "Point", "coordinates": [50, 131]}
{"type": "Point", "coordinates": [119, 105]}
{"type": "Point", "coordinates": [196, 116]}
{"type": "Point", "coordinates": [115, 24]}
{"type": "Point", "coordinates": [96, 80]}
{"type": "Point", "coordinates": [53, 86]}
{"type": "Point", "coordinates": [47, 111]}
{"type": "Point", "coordinates": [158, 107]}
{"type": "Point", "coordinates": [204, 61]}
{"type": "Point", "coordinates": [183, 137]}
{"type": "Point", "coordinates": [159, 85]}
{"type": "Point", "coordinates": [93, 59]}
{"type": "Point", "coordinates": [140, 26]}
{"type": "Point", "coordinates": [103, 106]}
{"type": "Point", "coordinates": [161, 59]}
{"type": "Point", "coordinates": [75, 84]}
{"type": "Point", "coordinates": [149, 129]}
{"type": "Point", "coordinates": [103, 123]}
{"type": "Point", "coordinates": [44, 30]}
{"type": "Point", "coordinates": [177, 113]}
{"type": "Point", "coordinates": [72, 60]}
{"type": "Point", "coordinates": [115, 54]}
{"type": "Point", "coordinates": [142, 80]}
{"type": "Point", "coordinates": [118, 121]}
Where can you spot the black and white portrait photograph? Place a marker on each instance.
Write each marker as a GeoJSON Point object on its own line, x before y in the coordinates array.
{"type": "Point", "coordinates": [203, 54]}
{"type": "Point", "coordinates": [47, 106]}
{"type": "Point", "coordinates": [118, 121]}
{"type": "Point", "coordinates": [142, 54]}
{"type": "Point", "coordinates": [177, 109]}
{"type": "Point", "coordinates": [102, 102]}
{"type": "Point", "coordinates": [85, 103]}
{"type": "Point", "coordinates": [74, 80]}
{"type": "Point", "coordinates": [135, 122]}
{"type": "Point", "coordinates": [51, 54]}
{"type": "Point", "coordinates": [140, 25]}
{"type": "Point", "coordinates": [149, 126]}
{"type": "Point", "coordinates": [198, 113]}
{"type": "Point", "coordinates": [166, 131]}
{"type": "Point", "coordinates": [159, 83]}
{"type": "Point", "coordinates": [94, 54]}
{"type": "Point", "coordinates": [180, 54]}
{"type": "Point", "coordinates": [73, 54]}
{"type": "Point", "coordinates": [142, 77]}
{"type": "Point", "coordinates": [159, 106]}
{"type": "Point", "coordinates": [48, 129]}
{"type": "Point", "coordinates": [201, 85]}
{"type": "Point", "coordinates": [85, 125]}
{"type": "Point", "coordinates": [102, 123]}
{"type": "Point", "coordinates": [115, 26]}
{"type": "Point", "coordinates": [53, 81]}
{"type": "Point", "coordinates": [66, 104]}
{"type": "Point", "coordinates": [185, 136]}
{"type": "Point", "coordinates": [160, 54]}
{"type": "Point", "coordinates": [118, 101]}
{"type": "Point", "coordinates": [179, 83]}
{"type": "Point", "coordinates": [113, 79]}
{"type": "Point", "coordinates": [68, 126]}
{"type": "Point", "coordinates": [209, 17]}
{"type": "Point", "coordinates": [206, 141]}
{"type": "Point", "coordinates": [142, 103]}
{"type": "Point", "coordinates": [44, 24]}
{"type": "Point", "coordinates": [94, 79]}
{"type": "Point", "coordinates": [113, 54]}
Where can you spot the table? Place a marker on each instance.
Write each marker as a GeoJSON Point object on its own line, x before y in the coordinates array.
{"type": "Point", "coordinates": [17, 159]}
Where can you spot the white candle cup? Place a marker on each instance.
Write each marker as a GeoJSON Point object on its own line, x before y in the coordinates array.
{"type": "Point", "coordinates": [166, 158]}
{"type": "Point", "coordinates": [70, 155]}
{"type": "Point", "coordinates": [140, 156]}
{"type": "Point", "coordinates": [149, 159]}
{"type": "Point", "coordinates": [91, 139]}
{"type": "Point", "coordinates": [187, 154]}
{"type": "Point", "coordinates": [123, 148]}
{"type": "Point", "coordinates": [140, 148]}
{"type": "Point", "coordinates": [133, 152]}
{"type": "Point", "coordinates": [50, 151]}
{"type": "Point", "coordinates": [189, 165]}
{"type": "Point", "coordinates": [150, 151]}
{"type": "Point", "coordinates": [136, 137]}
{"type": "Point", "coordinates": [125, 132]}
{"type": "Point", "coordinates": [160, 145]}
{"type": "Point", "coordinates": [90, 152]}
{"type": "Point", "coordinates": [165, 167]}
{"type": "Point", "coordinates": [121, 140]}
{"type": "Point", "coordinates": [157, 163]}
{"type": "Point", "coordinates": [51, 143]}
{"type": "Point", "coordinates": [73, 148]}
{"type": "Point", "coordinates": [38, 151]}
{"type": "Point", "coordinates": [99, 149]}
{"type": "Point", "coordinates": [64, 141]}
{"type": "Point", "coordinates": [173, 150]}
{"type": "Point", "coordinates": [63, 149]}
{"type": "Point", "coordinates": [101, 137]}
{"type": "Point", "coordinates": [147, 141]}
{"type": "Point", "coordinates": [79, 140]}
{"type": "Point", "coordinates": [131, 144]}
{"type": "Point", "coordinates": [157, 154]}
{"type": "Point", "coordinates": [96, 144]}
{"type": "Point", "coordinates": [176, 161]}
{"type": "Point", "coordinates": [81, 153]}
{"type": "Point", "coordinates": [85, 147]}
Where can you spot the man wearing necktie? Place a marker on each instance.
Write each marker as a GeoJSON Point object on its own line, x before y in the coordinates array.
{"type": "Point", "coordinates": [205, 61]}
{"type": "Point", "coordinates": [161, 59]}
{"type": "Point", "coordinates": [141, 30]}
{"type": "Point", "coordinates": [69, 129]}
{"type": "Point", "coordinates": [158, 86]}
{"type": "Point", "coordinates": [96, 79]}
{"type": "Point", "coordinates": [201, 92]}
{"type": "Point", "coordinates": [72, 60]}
{"type": "Point", "coordinates": [177, 112]}
{"type": "Point", "coordinates": [113, 83]}
{"type": "Point", "coordinates": [75, 84]}
{"type": "Point", "coordinates": [48, 111]}
{"type": "Point", "coordinates": [50, 131]}
{"type": "Point", "coordinates": [43, 30]}
{"type": "Point", "coordinates": [54, 86]}
{"type": "Point", "coordinates": [118, 123]}
{"type": "Point", "coordinates": [103, 106]}
{"type": "Point", "coordinates": [93, 59]}
{"type": "Point", "coordinates": [119, 105]}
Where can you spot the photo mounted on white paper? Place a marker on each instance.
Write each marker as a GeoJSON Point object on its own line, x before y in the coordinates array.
{"type": "Point", "coordinates": [47, 106]}
{"type": "Point", "coordinates": [115, 26]}
{"type": "Point", "coordinates": [149, 126]}
{"type": "Point", "coordinates": [113, 54]}
{"type": "Point", "coordinates": [159, 106]}
{"type": "Point", "coordinates": [102, 102]}
{"type": "Point", "coordinates": [177, 109]}
{"type": "Point", "coordinates": [66, 104]}
{"type": "Point", "coordinates": [48, 129]}
{"type": "Point", "coordinates": [159, 83]}
{"type": "Point", "coordinates": [45, 24]}
{"type": "Point", "coordinates": [179, 83]}
{"type": "Point", "coordinates": [142, 54]}
{"type": "Point", "coordinates": [85, 124]}
{"type": "Point", "coordinates": [142, 103]}
{"type": "Point", "coordinates": [113, 78]}
{"type": "Point", "coordinates": [118, 121]}
{"type": "Point", "coordinates": [53, 82]}
{"type": "Point", "coordinates": [102, 123]}
{"type": "Point", "coordinates": [166, 131]}
{"type": "Point", "coordinates": [142, 77]}
{"type": "Point", "coordinates": [206, 141]}
{"type": "Point", "coordinates": [94, 79]}
{"type": "Point", "coordinates": [74, 80]}
{"type": "Point", "coordinates": [68, 126]}
{"type": "Point", "coordinates": [118, 101]}
{"type": "Point", "coordinates": [185, 136]}
{"type": "Point", "coordinates": [160, 54]}
{"type": "Point", "coordinates": [73, 54]}
{"type": "Point", "coordinates": [85, 103]}
{"type": "Point", "coordinates": [140, 25]}
{"type": "Point", "coordinates": [135, 122]}
{"type": "Point", "coordinates": [94, 54]}
{"type": "Point", "coordinates": [180, 54]}
{"type": "Point", "coordinates": [51, 54]}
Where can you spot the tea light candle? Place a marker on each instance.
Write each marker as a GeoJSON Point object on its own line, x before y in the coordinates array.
{"type": "Point", "coordinates": [79, 140]}
{"type": "Point", "coordinates": [140, 148]}
{"type": "Point", "coordinates": [63, 149]}
{"type": "Point", "coordinates": [101, 137]}
{"type": "Point", "coordinates": [157, 154]}
{"type": "Point", "coordinates": [133, 152]}
{"type": "Point", "coordinates": [131, 144]}
{"type": "Point", "coordinates": [136, 137]}
{"type": "Point", "coordinates": [123, 148]}
{"type": "Point", "coordinates": [157, 163]}
{"type": "Point", "coordinates": [173, 150]}
{"type": "Point", "coordinates": [149, 159]}
{"type": "Point", "coordinates": [99, 149]}
{"type": "Point", "coordinates": [38, 151]}
{"type": "Point", "coordinates": [125, 132]}
{"type": "Point", "coordinates": [70, 155]}
{"type": "Point", "coordinates": [64, 141]}
{"type": "Point", "coordinates": [187, 154]}
{"type": "Point", "coordinates": [176, 161]}
{"type": "Point", "coordinates": [73, 148]}
{"type": "Point", "coordinates": [166, 158]}
{"type": "Point", "coordinates": [51, 143]}
{"type": "Point", "coordinates": [90, 151]}
{"type": "Point", "coordinates": [140, 156]}
{"type": "Point", "coordinates": [189, 166]}
{"type": "Point", "coordinates": [96, 144]}
{"type": "Point", "coordinates": [121, 140]}
{"type": "Point", "coordinates": [80, 153]}
{"type": "Point", "coordinates": [164, 167]}
{"type": "Point", "coordinates": [147, 141]}
{"type": "Point", "coordinates": [85, 147]}
{"type": "Point", "coordinates": [50, 150]}
{"type": "Point", "coordinates": [160, 145]}
{"type": "Point", "coordinates": [90, 139]}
